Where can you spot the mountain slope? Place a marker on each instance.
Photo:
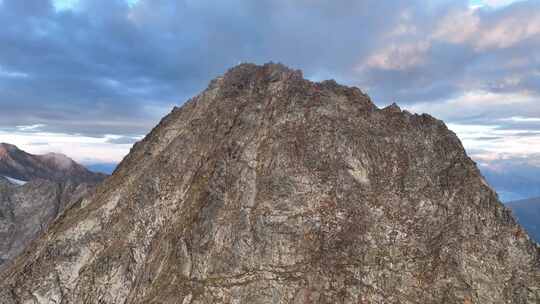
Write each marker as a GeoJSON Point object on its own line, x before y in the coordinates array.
{"type": "Point", "coordinates": [27, 208]}
{"type": "Point", "coordinates": [26, 211]}
{"type": "Point", "coordinates": [20, 165]}
{"type": "Point", "coordinates": [268, 188]}
{"type": "Point", "coordinates": [528, 214]}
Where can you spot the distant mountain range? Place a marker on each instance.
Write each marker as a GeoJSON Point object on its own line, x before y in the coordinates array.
{"type": "Point", "coordinates": [23, 166]}
{"type": "Point", "coordinates": [107, 168]}
{"type": "Point", "coordinates": [513, 180]}
{"type": "Point", "coordinates": [34, 191]}
{"type": "Point", "coordinates": [528, 214]}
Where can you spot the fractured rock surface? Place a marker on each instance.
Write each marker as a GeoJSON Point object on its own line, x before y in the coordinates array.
{"type": "Point", "coordinates": [34, 190]}
{"type": "Point", "coordinates": [26, 211]}
{"type": "Point", "coordinates": [268, 188]}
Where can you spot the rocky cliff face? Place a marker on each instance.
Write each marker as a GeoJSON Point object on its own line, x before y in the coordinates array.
{"type": "Point", "coordinates": [20, 165]}
{"type": "Point", "coordinates": [268, 188]}
{"type": "Point", "coordinates": [26, 211]}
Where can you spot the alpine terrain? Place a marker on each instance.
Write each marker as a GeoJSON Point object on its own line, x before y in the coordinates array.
{"type": "Point", "coordinates": [268, 188]}
{"type": "Point", "coordinates": [19, 165]}
{"type": "Point", "coordinates": [34, 190]}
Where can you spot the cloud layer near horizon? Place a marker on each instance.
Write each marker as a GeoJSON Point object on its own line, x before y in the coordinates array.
{"type": "Point", "coordinates": [99, 67]}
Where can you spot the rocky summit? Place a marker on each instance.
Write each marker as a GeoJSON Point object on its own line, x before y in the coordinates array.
{"type": "Point", "coordinates": [268, 188]}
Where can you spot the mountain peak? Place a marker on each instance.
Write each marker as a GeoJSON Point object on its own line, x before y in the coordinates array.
{"type": "Point", "coordinates": [60, 160]}
{"type": "Point", "coordinates": [18, 164]}
{"type": "Point", "coordinates": [273, 79]}
{"type": "Point", "coordinates": [269, 71]}
{"type": "Point", "coordinates": [269, 188]}
{"type": "Point", "coordinates": [246, 75]}
{"type": "Point", "coordinates": [8, 146]}
{"type": "Point", "coordinates": [6, 149]}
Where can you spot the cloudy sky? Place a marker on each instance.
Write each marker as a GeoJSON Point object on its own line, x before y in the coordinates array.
{"type": "Point", "coordinates": [87, 78]}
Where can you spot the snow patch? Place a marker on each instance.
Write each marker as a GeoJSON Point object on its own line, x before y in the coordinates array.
{"type": "Point", "coordinates": [15, 181]}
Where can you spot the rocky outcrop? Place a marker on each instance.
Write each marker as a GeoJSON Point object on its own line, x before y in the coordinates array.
{"type": "Point", "coordinates": [268, 188]}
{"type": "Point", "coordinates": [17, 164]}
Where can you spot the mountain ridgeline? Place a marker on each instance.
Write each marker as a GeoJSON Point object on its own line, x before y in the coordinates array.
{"type": "Point", "coordinates": [269, 188]}
{"type": "Point", "coordinates": [20, 165]}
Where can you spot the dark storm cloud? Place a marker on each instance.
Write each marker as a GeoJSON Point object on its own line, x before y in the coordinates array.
{"type": "Point", "coordinates": [93, 69]}
{"type": "Point", "coordinates": [106, 68]}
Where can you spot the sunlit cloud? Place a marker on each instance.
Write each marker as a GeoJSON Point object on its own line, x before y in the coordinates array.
{"type": "Point", "coordinates": [490, 142]}
{"type": "Point", "coordinates": [522, 119]}
{"type": "Point", "coordinates": [398, 56]}
{"type": "Point", "coordinates": [84, 149]}
{"type": "Point", "coordinates": [492, 126]}
{"type": "Point", "coordinates": [30, 128]}
{"type": "Point", "coordinates": [486, 34]}
{"type": "Point", "coordinates": [476, 105]}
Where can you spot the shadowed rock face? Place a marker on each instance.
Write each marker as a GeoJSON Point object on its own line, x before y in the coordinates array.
{"type": "Point", "coordinates": [55, 182]}
{"type": "Point", "coordinates": [26, 211]}
{"type": "Point", "coordinates": [268, 188]}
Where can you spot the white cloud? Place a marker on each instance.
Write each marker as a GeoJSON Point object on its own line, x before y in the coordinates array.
{"type": "Point", "coordinates": [467, 27]}
{"type": "Point", "coordinates": [498, 133]}
{"type": "Point", "coordinates": [82, 149]}
{"type": "Point", "coordinates": [509, 31]}
{"type": "Point", "coordinates": [474, 103]}
{"type": "Point", "coordinates": [31, 127]}
{"type": "Point", "coordinates": [522, 119]}
{"type": "Point", "coordinates": [458, 26]}
{"type": "Point", "coordinates": [398, 56]}
{"type": "Point", "coordinates": [489, 143]}
{"type": "Point", "coordinates": [406, 47]}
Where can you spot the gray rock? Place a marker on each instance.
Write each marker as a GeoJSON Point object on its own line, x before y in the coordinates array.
{"type": "Point", "coordinates": [27, 208]}
{"type": "Point", "coordinates": [268, 188]}
{"type": "Point", "coordinates": [26, 211]}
